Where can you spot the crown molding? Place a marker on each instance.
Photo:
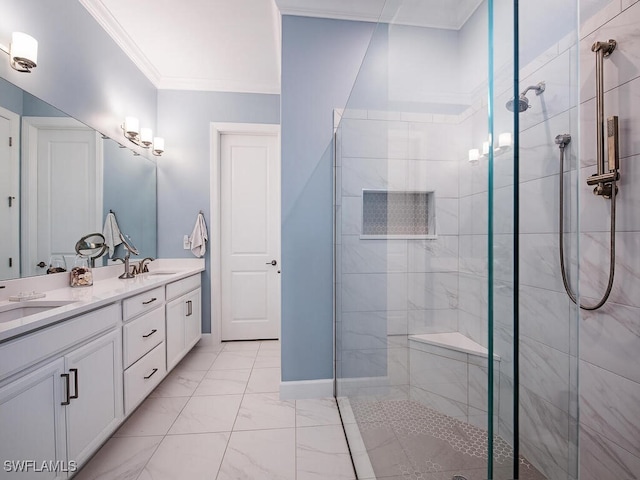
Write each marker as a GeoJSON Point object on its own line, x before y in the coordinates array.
{"type": "Point", "coordinates": [217, 85]}
{"type": "Point", "coordinates": [106, 20]}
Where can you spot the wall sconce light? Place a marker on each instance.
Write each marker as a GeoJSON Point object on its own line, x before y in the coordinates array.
{"type": "Point", "coordinates": [158, 146]}
{"type": "Point", "coordinates": [22, 51]}
{"type": "Point", "coordinates": [143, 137]}
{"type": "Point", "coordinates": [505, 142]}
{"type": "Point", "coordinates": [474, 155]}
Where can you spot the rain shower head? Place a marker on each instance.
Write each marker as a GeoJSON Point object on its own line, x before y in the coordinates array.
{"type": "Point", "coordinates": [523, 101]}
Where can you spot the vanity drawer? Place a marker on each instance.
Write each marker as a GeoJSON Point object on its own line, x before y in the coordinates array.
{"type": "Point", "coordinates": [183, 286]}
{"type": "Point", "coordinates": [141, 303]}
{"type": "Point", "coordinates": [18, 354]}
{"type": "Point", "coordinates": [142, 334]}
{"type": "Point", "coordinates": [143, 376]}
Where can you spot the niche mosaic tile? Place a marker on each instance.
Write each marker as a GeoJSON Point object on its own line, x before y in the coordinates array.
{"type": "Point", "coordinates": [386, 213]}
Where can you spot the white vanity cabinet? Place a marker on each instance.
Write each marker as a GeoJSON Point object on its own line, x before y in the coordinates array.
{"type": "Point", "coordinates": [32, 420]}
{"type": "Point", "coordinates": [184, 318]}
{"type": "Point", "coordinates": [60, 393]}
{"type": "Point", "coordinates": [94, 394]}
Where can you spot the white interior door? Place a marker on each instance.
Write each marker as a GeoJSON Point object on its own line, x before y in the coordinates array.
{"type": "Point", "coordinates": [9, 187]}
{"type": "Point", "coordinates": [63, 197]}
{"type": "Point", "coordinates": [250, 236]}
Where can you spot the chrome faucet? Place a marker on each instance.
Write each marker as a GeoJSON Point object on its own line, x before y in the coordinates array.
{"type": "Point", "coordinates": [142, 266]}
{"type": "Point", "coordinates": [127, 269]}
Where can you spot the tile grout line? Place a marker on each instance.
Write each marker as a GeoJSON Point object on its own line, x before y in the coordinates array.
{"type": "Point", "coordinates": [234, 421]}
{"type": "Point", "coordinates": [172, 423]}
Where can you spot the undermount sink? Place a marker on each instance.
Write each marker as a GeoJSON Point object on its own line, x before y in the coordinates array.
{"type": "Point", "coordinates": [14, 311]}
{"type": "Point", "coordinates": [157, 274]}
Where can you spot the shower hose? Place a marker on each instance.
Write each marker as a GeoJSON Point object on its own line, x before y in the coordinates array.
{"type": "Point", "coordinates": [612, 247]}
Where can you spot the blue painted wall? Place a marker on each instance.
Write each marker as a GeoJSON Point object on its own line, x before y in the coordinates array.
{"type": "Point", "coordinates": [11, 97]}
{"type": "Point", "coordinates": [320, 62]}
{"type": "Point", "coordinates": [34, 107]}
{"type": "Point", "coordinates": [81, 70]}
{"type": "Point", "coordinates": [184, 119]}
{"type": "Point", "coordinates": [130, 191]}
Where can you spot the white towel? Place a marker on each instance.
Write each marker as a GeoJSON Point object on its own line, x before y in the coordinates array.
{"type": "Point", "coordinates": [111, 233]}
{"type": "Point", "coordinates": [199, 237]}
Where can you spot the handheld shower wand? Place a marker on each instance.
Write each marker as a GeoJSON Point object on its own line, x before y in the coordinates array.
{"type": "Point", "coordinates": [604, 180]}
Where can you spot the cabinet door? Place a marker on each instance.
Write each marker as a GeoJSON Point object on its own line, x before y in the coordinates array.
{"type": "Point", "coordinates": [95, 410]}
{"type": "Point", "coordinates": [193, 318]}
{"type": "Point", "coordinates": [176, 311]}
{"type": "Point", "coordinates": [32, 424]}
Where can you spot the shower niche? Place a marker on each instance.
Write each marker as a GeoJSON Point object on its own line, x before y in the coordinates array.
{"type": "Point", "coordinates": [397, 214]}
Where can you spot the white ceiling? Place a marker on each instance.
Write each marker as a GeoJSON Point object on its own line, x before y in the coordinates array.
{"type": "Point", "coordinates": [234, 45]}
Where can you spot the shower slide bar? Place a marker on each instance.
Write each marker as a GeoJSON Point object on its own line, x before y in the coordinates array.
{"type": "Point", "coordinates": [606, 177]}
{"type": "Point", "coordinates": [607, 171]}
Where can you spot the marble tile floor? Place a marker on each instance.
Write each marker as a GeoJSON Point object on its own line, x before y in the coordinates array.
{"type": "Point", "coordinates": [406, 440]}
{"type": "Point", "coordinates": [218, 416]}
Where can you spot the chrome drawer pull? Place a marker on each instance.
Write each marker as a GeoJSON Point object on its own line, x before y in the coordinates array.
{"type": "Point", "coordinates": [149, 301]}
{"type": "Point", "coordinates": [150, 333]}
{"type": "Point", "coordinates": [151, 374]}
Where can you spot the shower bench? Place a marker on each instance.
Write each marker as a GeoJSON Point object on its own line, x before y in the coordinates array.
{"type": "Point", "coordinates": [448, 372]}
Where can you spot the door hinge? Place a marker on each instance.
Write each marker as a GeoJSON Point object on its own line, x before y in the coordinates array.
{"type": "Point", "coordinates": [11, 141]}
{"type": "Point", "coordinates": [11, 199]}
{"type": "Point", "coordinates": [10, 262]}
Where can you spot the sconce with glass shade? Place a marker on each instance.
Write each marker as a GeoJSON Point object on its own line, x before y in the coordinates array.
{"type": "Point", "coordinates": [22, 51]}
{"type": "Point", "coordinates": [474, 155]}
{"type": "Point", "coordinates": [143, 137]}
{"type": "Point", "coordinates": [505, 142]}
{"type": "Point", "coordinates": [158, 146]}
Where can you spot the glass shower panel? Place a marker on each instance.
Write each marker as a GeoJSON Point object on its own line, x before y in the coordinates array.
{"type": "Point", "coordinates": [455, 351]}
{"type": "Point", "coordinates": [548, 56]}
{"type": "Point", "coordinates": [411, 243]}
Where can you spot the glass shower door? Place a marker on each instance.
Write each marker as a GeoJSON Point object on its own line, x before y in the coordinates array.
{"type": "Point", "coordinates": [440, 310]}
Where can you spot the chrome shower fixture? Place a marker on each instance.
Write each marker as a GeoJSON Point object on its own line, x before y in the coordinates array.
{"type": "Point", "coordinates": [607, 166]}
{"type": "Point", "coordinates": [606, 178]}
{"type": "Point", "coordinates": [563, 140]}
{"type": "Point", "coordinates": [523, 101]}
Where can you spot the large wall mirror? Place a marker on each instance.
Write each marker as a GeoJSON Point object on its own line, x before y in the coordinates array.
{"type": "Point", "coordinates": [59, 179]}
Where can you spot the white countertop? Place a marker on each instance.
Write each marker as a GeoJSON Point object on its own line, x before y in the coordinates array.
{"type": "Point", "coordinates": [107, 288]}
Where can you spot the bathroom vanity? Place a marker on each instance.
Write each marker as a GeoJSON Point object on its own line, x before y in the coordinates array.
{"type": "Point", "coordinates": [80, 360]}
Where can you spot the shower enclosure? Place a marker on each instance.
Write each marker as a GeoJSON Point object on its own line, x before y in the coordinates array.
{"type": "Point", "coordinates": [455, 343]}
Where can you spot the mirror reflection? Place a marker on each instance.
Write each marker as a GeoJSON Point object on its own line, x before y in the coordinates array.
{"type": "Point", "coordinates": [59, 180]}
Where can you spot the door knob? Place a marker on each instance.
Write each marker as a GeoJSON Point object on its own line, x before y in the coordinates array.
{"type": "Point", "coordinates": [272, 262]}
{"type": "Point", "coordinates": [41, 264]}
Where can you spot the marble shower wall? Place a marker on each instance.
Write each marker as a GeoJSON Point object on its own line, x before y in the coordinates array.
{"type": "Point", "coordinates": [610, 337]}
{"type": "Point", "coordinates": [390, 287]}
